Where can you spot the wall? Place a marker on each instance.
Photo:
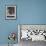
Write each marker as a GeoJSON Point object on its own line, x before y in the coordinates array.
{"type": "Point", "coordinates": [28, 12]}
{"type": "Point", "coordinates": [33, 12]}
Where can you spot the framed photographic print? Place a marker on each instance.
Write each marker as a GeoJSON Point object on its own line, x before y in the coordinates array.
{"type": "Point", "coordinates": [10, 12]}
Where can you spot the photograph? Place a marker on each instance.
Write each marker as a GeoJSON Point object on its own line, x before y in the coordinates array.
{"type": "Point", "coordinates": [10, 12]}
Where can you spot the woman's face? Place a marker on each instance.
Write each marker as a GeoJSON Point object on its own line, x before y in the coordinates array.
{"type": "Point", "coordinates": [11, 10]}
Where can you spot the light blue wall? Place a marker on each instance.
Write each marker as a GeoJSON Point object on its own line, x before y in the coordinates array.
{"type": "Point", "coordinates": [28, 12]}
{"type": "Point", "coordinates": [33, 12]}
